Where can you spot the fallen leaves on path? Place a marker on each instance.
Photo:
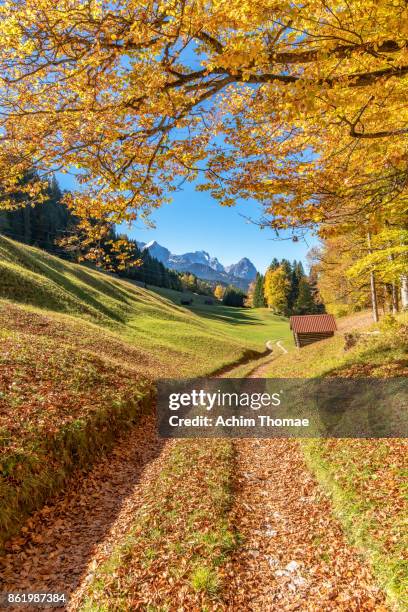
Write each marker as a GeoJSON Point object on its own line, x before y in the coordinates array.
{"type": "Point", "coordinates": [60, 544]}
{"type": "Point", "coordinates": [173, 555]}
{"type": "Point", "coordinates": [294, 555]}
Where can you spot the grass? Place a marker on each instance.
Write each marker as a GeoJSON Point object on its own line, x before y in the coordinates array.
{"type": "Point", "coordinates": [205, 580]}
{"type": "Point", "coordinates": [179, 540]}
{"type": "Point", "coordinates": [80, 353]}
{"type": "Point", "coordinates": [366, 479]}
{"type": "Point", "coordinates": [181, 341]}
{"type": "Point", "coordinates": [382, 355]}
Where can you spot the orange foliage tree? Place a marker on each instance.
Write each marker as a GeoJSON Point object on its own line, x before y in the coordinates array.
{"type": "Point", "coordinates": [300, 106]}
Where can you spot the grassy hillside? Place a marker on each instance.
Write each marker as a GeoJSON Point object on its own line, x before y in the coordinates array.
{"type": "Point", "coordinates": [80, 350]}
{"type": "Point", "coordinates": [151, 320]}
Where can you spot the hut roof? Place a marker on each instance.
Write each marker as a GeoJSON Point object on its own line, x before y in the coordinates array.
{"type": "Point", "coordinates": [320, 323]}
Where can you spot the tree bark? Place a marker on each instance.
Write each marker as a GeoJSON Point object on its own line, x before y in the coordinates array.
{"type": "Point", "coordinates": [394, 297]}
{"type": "Point", "coordinates": [394, 289]}
{"type": "Point", "coordinates": [374, 301]}
{"type": "Point", "coordinates": [404, 292]}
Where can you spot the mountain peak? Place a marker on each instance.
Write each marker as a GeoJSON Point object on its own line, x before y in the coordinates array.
{"type": "Point", "coordinates": [158, 251]}
{"type": "Point", "coordinates": [203, 265]}
{"type": "Point", "coordinates": [244, 268]}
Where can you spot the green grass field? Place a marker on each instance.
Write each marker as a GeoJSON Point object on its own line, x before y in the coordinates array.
{"type": "Point", "coordinates": [151, 320]}
{"type": "Point", "coordinates": [81, 349]}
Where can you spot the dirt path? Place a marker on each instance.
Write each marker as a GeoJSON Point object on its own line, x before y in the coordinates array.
{"type": "Point", "coordinates": [293, 557]}
{"type": "Point", "coordinates": [63, 542]}
{"type": "Point", "coordinates": [294, 554]}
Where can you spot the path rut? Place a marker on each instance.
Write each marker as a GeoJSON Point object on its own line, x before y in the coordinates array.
{"type": "Point", "coordinates": [62, 544]}
{"type": "Point", "coordinates": [294, 554]}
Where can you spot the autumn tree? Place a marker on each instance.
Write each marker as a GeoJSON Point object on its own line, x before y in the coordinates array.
{"type": "Point", "coordinates": [219, 292]}
{"type": "Point", "coordinates": [249, 300]}
{"type": "Point", "coordinates": [300, 107]}
{"type": "Point", "coordinates": [387, 258]}
{"type": "Point", "coordinates": [108, 90]}
{"type": "Point", "coordinates": [189, 282]}
{"type": "Point", "coordinates": [276, 289]}
{"type": "Point", "coordinates": [331, 262]}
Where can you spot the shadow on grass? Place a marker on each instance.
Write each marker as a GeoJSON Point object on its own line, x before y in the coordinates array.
{"type": "Point", "coordinates": [227, 314]}
{"type": "Point", "coordinates": [56, 270]}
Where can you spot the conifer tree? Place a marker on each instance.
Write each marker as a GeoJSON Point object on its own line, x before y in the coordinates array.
{"type": "Point", "coordinates": [233, 297]}
{"type": "Point", "coordinates": [258, 300]}
{"type": "Point", "coordinates": [304, 302]}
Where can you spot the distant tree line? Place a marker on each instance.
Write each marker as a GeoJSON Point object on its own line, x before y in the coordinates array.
{"type": "Point", "coordinates": [230, 295]}
{"type": "Point", "coordinates": [233, 297]}
{"type": "Point", "coordinates": [48, 224]}
{"type": "Point", "coordinates": [41, 225]}
{"type": "Point", "coordinates": [285, 289]}
{"type": "Point", "coordinates": [139, 266]}
{"type": "Point", "coordinates": [192, 283]}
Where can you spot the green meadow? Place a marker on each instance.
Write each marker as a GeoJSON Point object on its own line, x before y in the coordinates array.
{"type": "Point", "coordinates": [81, 349]}
{"type": "Point", "coordinates": [152, 319]}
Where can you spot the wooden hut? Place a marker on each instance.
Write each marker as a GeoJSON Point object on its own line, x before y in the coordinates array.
{"type": "Point", "coordinates": [312, 328]}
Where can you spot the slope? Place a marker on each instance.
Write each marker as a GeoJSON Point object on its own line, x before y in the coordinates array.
{"type": "Point", "coordinates": [80, 351]}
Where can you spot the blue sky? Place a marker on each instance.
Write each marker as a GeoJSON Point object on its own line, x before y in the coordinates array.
{"type": "Point", "coordinates": [195, 222]}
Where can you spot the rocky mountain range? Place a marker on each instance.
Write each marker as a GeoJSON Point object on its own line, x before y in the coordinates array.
{"type": "Point", "coordinates": [203, 265]}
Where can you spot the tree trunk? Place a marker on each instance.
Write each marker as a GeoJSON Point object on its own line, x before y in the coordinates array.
{"type": "Point", "coordinates": [394, 290]}
{"type": "Point", "coordinates": [374, 301]}
{"type": "Point", "coordinates": [404, 292]}
{"type": "Point", "coordinates": [394, 298]}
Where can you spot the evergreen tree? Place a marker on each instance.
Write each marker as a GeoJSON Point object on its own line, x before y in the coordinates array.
{"type": "Point", "coordinates": [304, 303]}
{"type": "Point", "coordinates": [274, 264]}
{"type": "Point", "coordinates": [287, 267]}
{"type": "Point", "coordinates": [41, 224]}
{"type": "Point", "coordinates": [258, 300]}
{"type": "Point", "coordinates": [300, 272]}
{"type": "Point", "coordinates": [297, 273]}
{"type": "Point", "coordinates": [233, 297]}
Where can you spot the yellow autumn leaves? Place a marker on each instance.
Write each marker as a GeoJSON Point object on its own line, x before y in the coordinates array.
{"type": "Point", "coordinates": [301, 107]}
